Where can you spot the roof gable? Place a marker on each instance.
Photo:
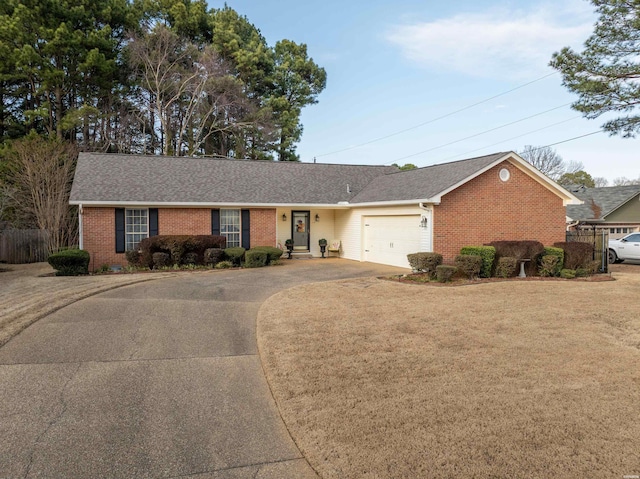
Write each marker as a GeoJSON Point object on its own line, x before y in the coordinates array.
{"type": "Point", "coordinates": [601, 202]}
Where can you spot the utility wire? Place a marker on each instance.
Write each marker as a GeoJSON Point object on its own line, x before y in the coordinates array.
{"type": "Point", "coordinates": [479, 134]}
{"type": "Point", "coordinates": [437, 118]}
{"type": "Point", "coordinates": [510, 139]}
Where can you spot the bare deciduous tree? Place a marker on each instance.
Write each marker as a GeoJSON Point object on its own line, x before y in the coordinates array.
{"type": "Point", "coordinates": [624, 181]}
{"type": "Point", "coordinates": [600, 182]}
{"type": "Point", "coordinates": [545, 159]}
{"type": "Point", "coordinates": [41, 175]}
{"type": "Point", "coordinates": [188, 89]}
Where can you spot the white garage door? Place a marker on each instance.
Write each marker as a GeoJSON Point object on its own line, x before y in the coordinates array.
{"type": "Point", "coordinates": [389, 239]}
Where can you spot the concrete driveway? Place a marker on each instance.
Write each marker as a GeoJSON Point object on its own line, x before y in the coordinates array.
{"type": "Point", "coordinates": [159, 380]}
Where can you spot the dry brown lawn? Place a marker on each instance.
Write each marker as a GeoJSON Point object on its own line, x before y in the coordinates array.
{"type": "Point", "coordinates": [376, 379]}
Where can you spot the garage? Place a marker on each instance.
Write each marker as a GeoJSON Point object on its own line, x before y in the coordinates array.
{"type": "Point", "coordinates": [389, 239]}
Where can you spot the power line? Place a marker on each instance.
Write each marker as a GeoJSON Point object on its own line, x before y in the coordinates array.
{"type": "Point", "coordinates": [479, 134]}
{"type": "Point", "coordinates": [437, 118]}
{"type": "Point", "coordinates": [512, 138]}
{"type": "Point", "coordinates": [570, 139]}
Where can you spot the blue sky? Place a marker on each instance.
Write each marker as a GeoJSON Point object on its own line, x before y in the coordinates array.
{"type": "Point", "coordinates": [395, 64]}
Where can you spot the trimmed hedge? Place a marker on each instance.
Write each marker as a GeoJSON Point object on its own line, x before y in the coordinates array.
{"type": "Point", "coordinates": [487, 253]}
{"type": "Point", "coordinates": [469, 264]}
{"type": "Point", "coordinates": [444, 272]}
{"type": "Point", "coordinates": [273, 254]}
{"type": "Point", "coordinates": [133, 257]}
{"type": "Point", "coordinates": [549, 265]}
{"type": "Point", "coordinates": [568, 273]}
{"type": "Point", "coordinates": [425, 262]}
{"type": "Point", "coordinates": [255, 258]}
{"type": "Point", "coordinates": [576, 254]}
{"type": "Point", "coordinates": [161, 260]}
{"type": "Point", "coordinates": [70, 262]}
{"type": "Point", "coordinates": [177, 246]}
{"type": "Point", "coordinates": [506, 267]}
{"type": "Point", "coordinates": [190, 258]}
{"type": "Point", "coordinates": [559, 253]}
{"type": "Point", "coordinates": [213, 256]}
{"type": "Point", "coordinates": [235, 254]}
{"type": "Point", "coordinates": [519, 250]}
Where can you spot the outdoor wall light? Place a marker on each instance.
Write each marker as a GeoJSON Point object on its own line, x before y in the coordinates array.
{"type": "Point", "coordinates": [284, 217]}
{"type": "Point", "coordinates": [317, 218]}
{"type": "Point", "coordinates": [423, 222]}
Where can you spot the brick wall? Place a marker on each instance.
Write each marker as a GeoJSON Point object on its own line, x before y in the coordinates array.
{"type": "Point", "coordinates": [99, 229]}
{"type": "Point", "coordinates": [99, 237]}
{"type": "Point", "coordinates": [263, 227]}
{"type": "Point", "coordinates": [184, 221]}
{"type": "Point", "coordinates": [488, 209]}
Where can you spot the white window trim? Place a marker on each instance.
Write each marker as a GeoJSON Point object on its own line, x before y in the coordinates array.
{"type": "Point", "coordinates": [234, 233]}
{"type": "Point", "coordinates": [128, 245]}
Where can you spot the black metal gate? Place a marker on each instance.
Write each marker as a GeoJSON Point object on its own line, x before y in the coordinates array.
{"type": "Point", "coordinates": [599, 238]}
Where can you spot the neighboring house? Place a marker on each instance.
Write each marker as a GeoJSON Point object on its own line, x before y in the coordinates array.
{"type": "Point", "coordinates": [614, 208]}
{"type": "Point", "coordinates": [379, 214]}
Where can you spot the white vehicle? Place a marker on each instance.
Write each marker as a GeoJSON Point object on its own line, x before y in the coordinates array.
{"type": "Point", "coordinates": [627, 247]}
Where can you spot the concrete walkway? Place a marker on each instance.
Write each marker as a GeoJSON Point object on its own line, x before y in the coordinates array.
{"type": "Point", "coordinates": [154, 380]}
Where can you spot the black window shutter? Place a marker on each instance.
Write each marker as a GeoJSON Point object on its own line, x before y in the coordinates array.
{"type": "Point", "coordinates": [153, 221]}
{"type": "Point", "coordinates": [246, 229]}
{"type": "Point", "coordinates": [215, 222]}
{"type": "Point", "coordinates": [120, 242]}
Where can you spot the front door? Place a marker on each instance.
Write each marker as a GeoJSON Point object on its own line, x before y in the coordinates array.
{"type": "Point", "coordinates": [300, 227]}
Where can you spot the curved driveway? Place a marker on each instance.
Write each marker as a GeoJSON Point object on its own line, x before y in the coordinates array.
{"type": "Point", "coordinates": [156, 380]}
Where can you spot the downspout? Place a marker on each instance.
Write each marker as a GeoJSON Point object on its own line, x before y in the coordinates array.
{"type": "Point", "coordinates": [80, 239]}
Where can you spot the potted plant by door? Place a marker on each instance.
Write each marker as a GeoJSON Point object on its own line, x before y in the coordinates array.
{"type": "Point", "coordinates": [323, 246]}
{"type": "Point", "coordinates": [289, 246]}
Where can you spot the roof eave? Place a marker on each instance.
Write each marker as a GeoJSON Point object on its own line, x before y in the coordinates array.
{"type": "Point", "coordinates": [193, 204]}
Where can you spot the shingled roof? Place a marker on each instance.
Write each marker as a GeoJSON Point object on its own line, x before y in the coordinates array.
{"type": "Point", "coordinates": [606, 200]}
{"type": "Point", "coordinates": [424, 183]}
{"type": "Point", "coordinates": [108, 179]}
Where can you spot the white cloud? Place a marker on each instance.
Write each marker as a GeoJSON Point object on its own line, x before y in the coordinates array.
{"type": "Point", "coordinates": [516, 44]}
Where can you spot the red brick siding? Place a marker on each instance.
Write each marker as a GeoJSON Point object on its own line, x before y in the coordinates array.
{"type": "Point", "coordinates": [99, 229]}
{"type": "Point", "coordinates": [184, 221]}
{"type": "Point", "coordinates": [263, 227]}
{"type": "Point", "coordinates": [487, 209]}
{"type": "Point", "coordinates": [99, 237]}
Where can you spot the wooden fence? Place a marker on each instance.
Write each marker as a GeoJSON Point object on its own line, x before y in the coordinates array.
{"type": "Point", "coordinates": [23, 246]}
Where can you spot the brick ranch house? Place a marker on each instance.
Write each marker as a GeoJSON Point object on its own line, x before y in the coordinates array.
{"type": "Point", "coordinates": [379, 214]}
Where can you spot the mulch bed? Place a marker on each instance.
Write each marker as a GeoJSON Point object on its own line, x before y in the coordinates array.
{"type": "Point", "coordinates": [423, 279]}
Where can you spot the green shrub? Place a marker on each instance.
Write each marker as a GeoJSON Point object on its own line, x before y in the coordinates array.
{"type": "Point", "coordinates": [235, 255]}
{"type": "Point", "coordinates": [576, 254]}
{"type": "Point", "coordinates": [520, 249]}
{"type": "Point", "coordinates": [255, 258]}
{"type": "Point", "coordinates": [105, 268]}
{"type": "Point", "coordinates": [425, 262]}
{"type": "Point", "coordinates": [190, 258]}
{"type": "Point", "coordinates": [224, 265]}
{"type": "Point", "coordinates": [487, 253]}
{"type": "Point", "coordinates": [469, 264]}
{"type": "Point", "coordinates": [213, 256]}
{"type": "Point", "coordinates": [273, 254]}
{"type": "Point", "coordinates": [71, 262]}
{"type": "Point", "coordinates": [161, 260]}
{"type": "Point", "coordinates": [549, 265]}
{"type": "Point", "coordinates": [445, 272]}
{"type": "Point", "coordinates": [559, 253]}
{"type": "Point", "coordinates": [506, 267]}
{"type": "Point", "coordinates": [133, 257]}
{"type": "Point", "coordinates": [568, 273]}
{"type": "Point", "coordinates": [582, 272]}
{"type": "Point", "coordinates": [177, 246]}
